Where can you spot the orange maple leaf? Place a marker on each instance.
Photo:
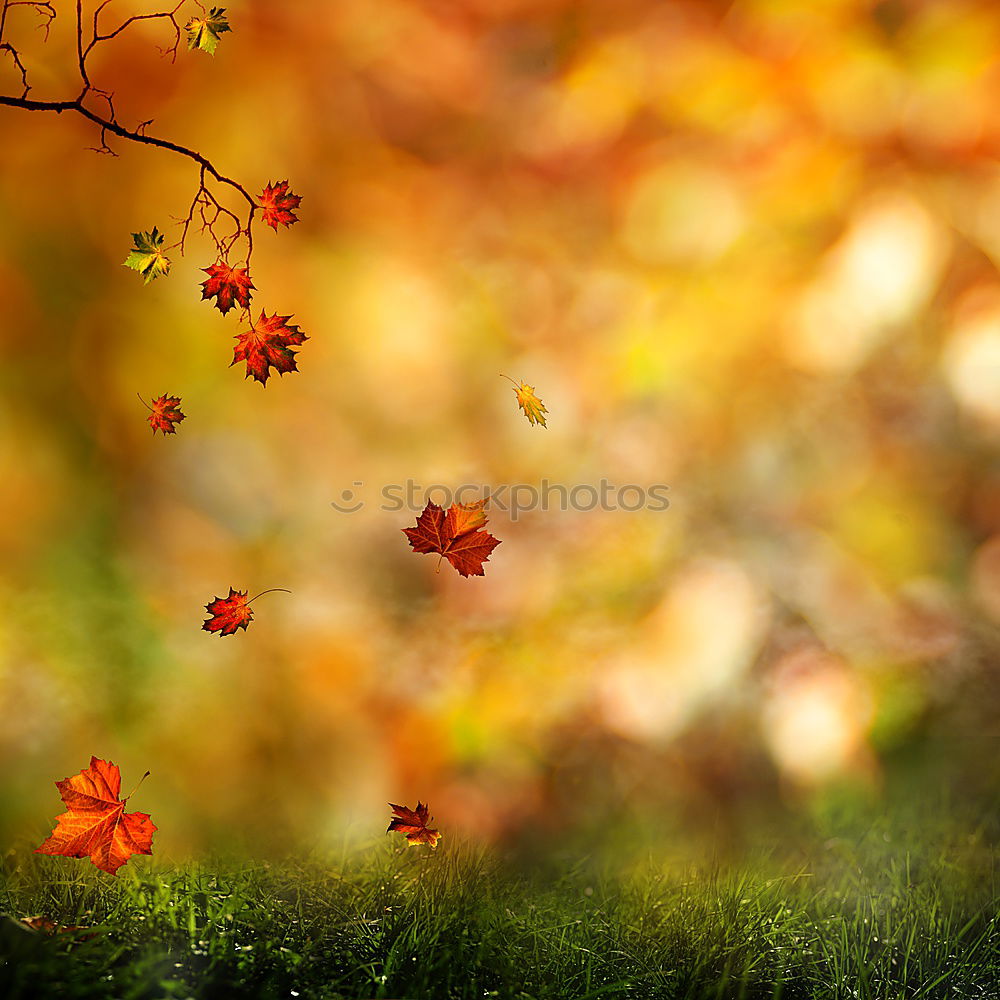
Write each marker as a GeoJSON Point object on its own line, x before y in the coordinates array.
{"type": "Point", "coordinates": [233, 612]}
{"type": "Point", "coordinates": [413, 822]}
{"type": "Point", "coordinates": [227, 285]}
{"type": "Point", "coordinates": [96, 824]}
{"type": "Point", "coordinates": [266, 345]}
{"type": "Point", "coordinates": [164, 412]}
{"type": "Point", "coordinates": [455, 536]}
{"type": "Point", "coordinates": [277, 204]}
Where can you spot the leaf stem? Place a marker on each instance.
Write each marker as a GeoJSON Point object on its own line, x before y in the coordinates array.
{"type": "Point", "coordinates": [134, 790]}
{"type": "Point", "coordinates": [273, 590]}
{"type": "Point", "coordinates": [144, 403]}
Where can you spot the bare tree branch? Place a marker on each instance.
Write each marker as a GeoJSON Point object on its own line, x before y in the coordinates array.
{"type": "Point", "coordinates": [210, 212]}
{"type": "Point", "coordinates": [46, 11]}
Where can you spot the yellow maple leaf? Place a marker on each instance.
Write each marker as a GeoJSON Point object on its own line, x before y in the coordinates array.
{"type": "Point", "coordinates": [533, 407]}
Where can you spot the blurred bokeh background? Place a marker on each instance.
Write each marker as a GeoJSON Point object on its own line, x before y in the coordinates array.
{"type": "Point", "coordinates": [744, 249]}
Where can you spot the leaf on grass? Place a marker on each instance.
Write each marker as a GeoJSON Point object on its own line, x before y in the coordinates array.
{"type": "Point", "coordinates": [229, 286]}
{"type": "Point", "coordinates": [147, 256]}
{"type": "Point", "coordinates": [203, 32]}
{"type": "Point", "coordinates": [413, 822]}
{"type": "Point", "coordinates": [533, 407]}
{"type": "Point", "coordinates": [44, 925]}
{"type": "Point", "coordinates": [96, 824]}
{"type": "Point", "coordinates": [278, 203]}
{"type": "Point", "coordinates": [266, 345]}
{"type": "Point", "coordinates": [455, 536]}
{"type": "Point", "coordinates": [164, 413]}
{"type": "Point", "coordinates": [233, 612]}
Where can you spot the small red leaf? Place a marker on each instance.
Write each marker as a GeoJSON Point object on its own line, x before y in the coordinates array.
{"type": "Point", "coordinates": [227, 285]}
{"type": "Point", "coordinates": [164, 413]}
{"type": "Point", "coordinates": [277, 204]}
{"type": "Point", "coordinates": [232, 612]}
{"type": "Point", "coordinates": [228, 613]}
{"type": "Point", "coordinates": [266, 345]}
{"type": "Point", "coordinates": [413, 822]}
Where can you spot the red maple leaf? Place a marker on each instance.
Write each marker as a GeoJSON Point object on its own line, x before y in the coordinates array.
{"type": "Point", "coordinates": [277, 204]}
{"type": "Point", "coordinates": [413, 822]}
{"type": "Point", "coordinates": [96, 824]}
{"type": "Point", "coordinates": [266, 345]}
{"type": "Point", "coordinates": [227, 285]}
{"type": "Point", "coordinates": [455, 535]}
{"type": "Point", "coordinates": [164, 412]}
{"type": "Point", "coordinates": [232, 612]}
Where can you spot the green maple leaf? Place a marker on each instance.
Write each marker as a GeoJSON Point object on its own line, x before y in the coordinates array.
{"type": "Point", "coordinates": [203, 32]}
{"type": "Point", "coordinates": [147, 257]}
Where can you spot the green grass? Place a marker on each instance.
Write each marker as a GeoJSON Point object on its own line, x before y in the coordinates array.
{"type": "Point", "coordinates": [856, 919]}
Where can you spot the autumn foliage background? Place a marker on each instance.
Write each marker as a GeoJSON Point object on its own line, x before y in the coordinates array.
{"type": "Point", "coordinates": [747, 250]}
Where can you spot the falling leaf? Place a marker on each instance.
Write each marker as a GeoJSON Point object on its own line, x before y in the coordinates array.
{"type": "Point", "coordinates": [229, 286]}
{"type": "Point", "coordinates": [228, 613]}
{"type": "Point", "coordinates": [456, 536]}
{"type": "Point", "coordinates": [164, 413]}
{"type": "Point", "coordinates": [203, 32]}
{"type": "Point", "coordinates": [147, 256]}
{"type": "Point", "coordinates": [266, 345]}
{"type": "Point", "coordinates": [232, 612]}
{"type": "Point", "coordinates": [534, 408]}
{"type": "Point", "coordinates": [278, 203]}
{"type": "Point", "coordinates": [413, 822]}
{"type": "Point", "coordinates": [96, 824]}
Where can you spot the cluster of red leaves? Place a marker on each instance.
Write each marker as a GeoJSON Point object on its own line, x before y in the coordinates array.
{"type": "Point", "coordinates": [456, 536]}
{"type": "Point", "coordinates": [268, 343]}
